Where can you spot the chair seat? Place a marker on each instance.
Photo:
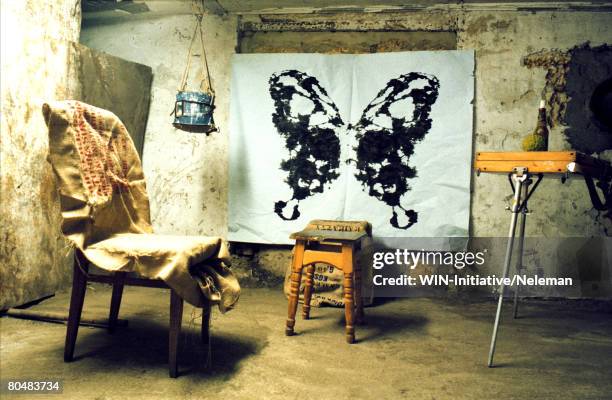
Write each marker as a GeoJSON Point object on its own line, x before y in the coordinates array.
{"type": "Point", "coordinates": [166, 257]}
{"type": "Point", "coordinates": [149, 245]}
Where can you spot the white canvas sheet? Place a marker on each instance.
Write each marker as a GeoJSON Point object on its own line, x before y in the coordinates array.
{"type": "Point", "coordinates": [396, 117]}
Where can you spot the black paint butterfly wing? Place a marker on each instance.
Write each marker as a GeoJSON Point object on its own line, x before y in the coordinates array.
{"type": "Point", "coordinates": [387, 132]}
{"type": "Point", "coordinates": [308, 120]}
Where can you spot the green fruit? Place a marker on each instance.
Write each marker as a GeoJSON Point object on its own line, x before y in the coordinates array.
{"type": "Point", "coordinates": [534, 143]}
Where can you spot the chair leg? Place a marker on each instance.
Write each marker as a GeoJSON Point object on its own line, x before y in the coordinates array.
{"type": "Point", "coordinates": [349, 304]}
{"type": "Point", "coordinates": [296, 277]}
{"type": "Point", "coordinates": [79, 286]}
{"type": "Point", "coordinates": [118, 284]}
{"type": "Point", "coordinates": [308, 291]}
{"type": "Point", "coordinates": [176, 317]}
{"type": "Point", "coordinates": [206, 314]}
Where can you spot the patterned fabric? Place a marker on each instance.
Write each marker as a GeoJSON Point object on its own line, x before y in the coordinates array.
{"type": "Point", "coordinates": [105, 209]}
{"type": "Point", "coordinates": [102, 168]}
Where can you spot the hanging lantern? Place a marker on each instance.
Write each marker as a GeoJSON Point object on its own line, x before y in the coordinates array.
{"type": "Point", "coordinates": [193, 110]}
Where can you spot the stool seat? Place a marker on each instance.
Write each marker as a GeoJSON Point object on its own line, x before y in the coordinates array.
{"type": "Point", "coordinates": [334, 243]}
{"type": "Point", "coordinates": [327, 235]}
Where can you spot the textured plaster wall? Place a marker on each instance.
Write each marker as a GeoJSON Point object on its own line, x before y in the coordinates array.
{"type": "Point", "coordinates": [506, 97]}
{"type": "Point", "coordinates": [34, 69]}
{"type": "Point", "coordinates": [114, 84]}
{"type": "Point", "coordinates": [507, 94]}
{"type": "Point", "coordinates": [187, 173]}
{"type": "Point", "coordinates": [39, 66]}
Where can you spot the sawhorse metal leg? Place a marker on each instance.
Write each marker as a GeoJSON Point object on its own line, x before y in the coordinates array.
{"type": "Point", "coordinates": [518, 186]}
{"type": "Point", "coordinates": [521, 244]}
{"type": "Point", "coordinates": [520, 181]}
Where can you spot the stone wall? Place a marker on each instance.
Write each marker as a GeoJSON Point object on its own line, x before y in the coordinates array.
{"type": "Point", "coordinates": [42, 62]}
{"type": "Point", "coordinates": [35, 260]}
{"type": "Point", "coordinates": [187, 173]}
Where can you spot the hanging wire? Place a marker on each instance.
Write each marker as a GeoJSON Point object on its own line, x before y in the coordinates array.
{"type": "Point", "coordinates": [186, 72]}
{"type": "Point", "coordinates": [205, 59]}
{"type": "Point", "coordinates": [205, 80]}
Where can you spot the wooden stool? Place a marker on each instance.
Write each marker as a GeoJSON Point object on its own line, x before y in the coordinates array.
{"type": "Point", "coordinates": [335, 243]}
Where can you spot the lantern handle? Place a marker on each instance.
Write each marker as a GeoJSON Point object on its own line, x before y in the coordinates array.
{"type": "Point", "coordinates": [205, 62]}
{"type": "Point", "coordinates": [205, 72]}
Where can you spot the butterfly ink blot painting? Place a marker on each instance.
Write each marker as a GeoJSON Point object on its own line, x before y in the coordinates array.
{"type": "Point", "coordinates": [381, 137]}
{"type": "Point", "coordinates": [386, 141]}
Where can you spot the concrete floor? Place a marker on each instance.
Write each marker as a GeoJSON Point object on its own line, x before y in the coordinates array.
{"type": "Point", "coordinates": [410, 348]}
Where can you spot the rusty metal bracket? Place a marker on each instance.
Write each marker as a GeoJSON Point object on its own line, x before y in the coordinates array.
{"type": "Point", "coordinates": [526, 176]}
{"type": "Point", "coordinates": [606, 189]}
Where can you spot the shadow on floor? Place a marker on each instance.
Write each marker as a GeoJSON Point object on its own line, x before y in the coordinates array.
{"type": "Point", "coordinates": [381, 326]}
{"type": "Point", "coordinates": [144, 345]}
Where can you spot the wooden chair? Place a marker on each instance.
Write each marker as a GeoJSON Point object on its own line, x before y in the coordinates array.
{"type": "Point", "coordinates": [118, 280]}
{"type": "Point", "coordinates": [105, 216]}
{"type": "Point", "coordinates": [335, 243]}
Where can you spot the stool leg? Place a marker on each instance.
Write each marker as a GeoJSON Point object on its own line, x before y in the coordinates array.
{"type": "Point", "coordinates": [294, 292]}
{"type": "Point", "coordinates": [359, 315]}
{"type": "Point", "coordinates": [349, 304]}
{"type": "Point", "coordinates": [308, 291]}
{"type": "Point", "coordinates": [349, 307]}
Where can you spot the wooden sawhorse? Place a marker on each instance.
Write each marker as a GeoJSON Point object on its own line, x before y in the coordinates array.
{"type": "Point", "coordinates": [521, 167]}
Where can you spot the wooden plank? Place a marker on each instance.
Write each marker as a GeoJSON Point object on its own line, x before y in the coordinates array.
{"type": "Point", "coordinates": [541, 162]}
{"type": "Point", "coordinates": [129, 281]}
{"type": "Point", "coordinates": [532, 166]}
{"type": "Point", "coordinates": [339, 226]}
{"type": "Point", "coordinates": [526, 156]}
{"type": "Point", "coordinates": [322, 235]}
{"type": "Point", "coordinates": [314, 256]}
{"type": "Point", "coordinates": [58, 317]}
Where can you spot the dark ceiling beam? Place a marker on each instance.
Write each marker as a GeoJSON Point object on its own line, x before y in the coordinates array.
{"type": "Point", "coordinates": [128, 6]}
{"type": "Point", "coordinates": [341, 6]}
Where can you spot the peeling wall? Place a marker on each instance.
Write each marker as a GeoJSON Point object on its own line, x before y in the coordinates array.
{"type": "Point", "coordinates": [114, 84]}
{"type": "Point", "coordinates": [187, 173]}
{"type": "Point", "coordinates": [571, 78]}
{"type": "Point", "coordinates": [34, 68]}
{"type": "Point", "coordinates": [38, 66]}
{"type": "Point", "coordinates": [507, 94]}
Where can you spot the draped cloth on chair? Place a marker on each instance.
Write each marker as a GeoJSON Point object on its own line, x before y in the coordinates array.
{"type": "Point", "coordinates": [105, 209]}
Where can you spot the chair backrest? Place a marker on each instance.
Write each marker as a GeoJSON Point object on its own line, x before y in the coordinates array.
{"type": "Point", "coordinates": [99, 174]}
